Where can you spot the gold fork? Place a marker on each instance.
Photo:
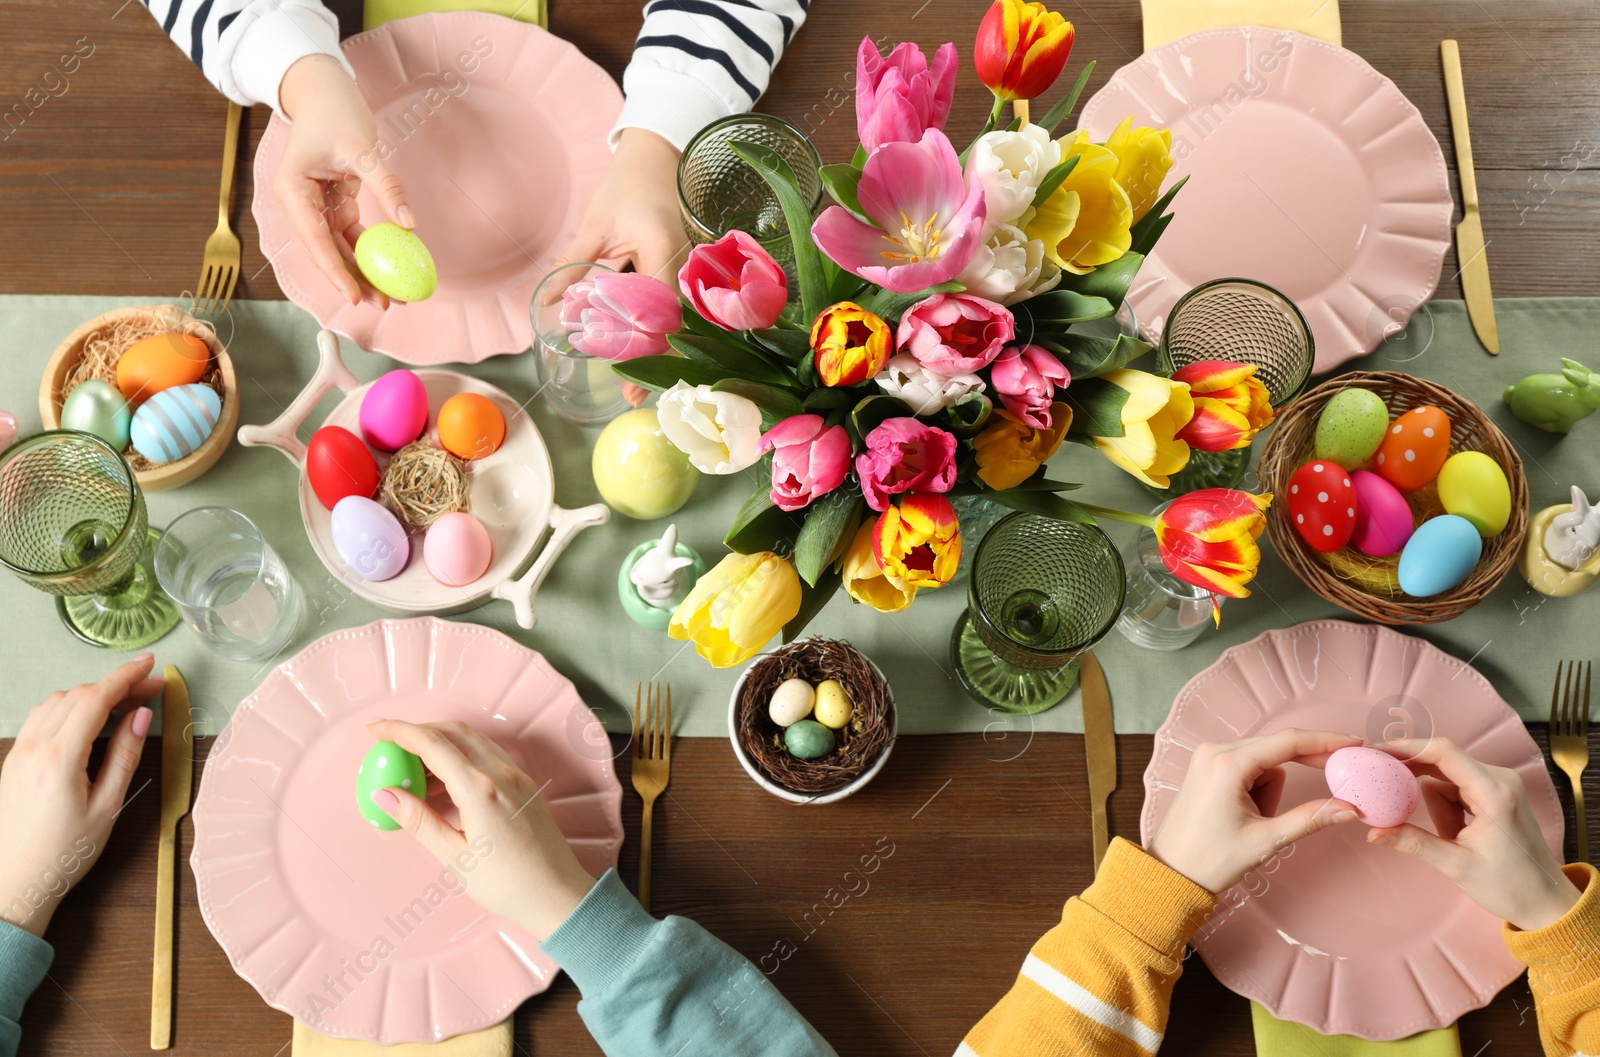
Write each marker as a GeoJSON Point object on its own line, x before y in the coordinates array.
{"type": "Point", "coordinates": [1569, 738]}
{"type": "Point", "coordinates": [220, 270]}
{"type": "Point", "coordinates": [652, 764]}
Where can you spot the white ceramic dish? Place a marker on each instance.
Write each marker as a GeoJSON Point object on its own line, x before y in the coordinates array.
{"type": "Point", "coordinates": [512, 493]}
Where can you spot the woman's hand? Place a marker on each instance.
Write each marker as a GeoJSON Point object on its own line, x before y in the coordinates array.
{"type": "Point", "coordinates": [1220, 825]}
{"type": "Point", "coordinates": [1498, 857]}
{"type": "Point", "coordinates": [332, 151]}
{"type": "Point", "coordinates": [528, 874]}
{"type": "Point", "coordinates": [634, 211]}
{"type": "Point", "coordinates": [53, 820]}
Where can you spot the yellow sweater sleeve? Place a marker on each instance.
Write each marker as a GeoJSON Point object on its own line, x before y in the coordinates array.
{"type": "Point", "coordinates": [1099, 983]}
{"type": "Point", "coordinates": [1563, 961]}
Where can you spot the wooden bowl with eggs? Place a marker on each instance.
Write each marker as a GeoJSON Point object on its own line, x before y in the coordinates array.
{"type": "Point", "coordinates": [60, 374]}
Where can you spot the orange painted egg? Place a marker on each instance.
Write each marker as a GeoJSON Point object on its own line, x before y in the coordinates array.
{"type": "Point", "coordinates": [1416, 446]}
{"type": "Point", "coordinates": [471, 426]}
{"type": "Point", "coordinates": [161, 361]}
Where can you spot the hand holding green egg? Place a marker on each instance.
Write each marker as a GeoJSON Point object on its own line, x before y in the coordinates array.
{"type": "Point", "coordinates": [387, 766]}
{"type": "Point", "coordinates": [396, 263]}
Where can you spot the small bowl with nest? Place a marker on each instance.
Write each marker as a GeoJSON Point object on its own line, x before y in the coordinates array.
{"type": "Point", "coordinates": [91, 352]}
{"type": "Point", "coordinates": [1369, 586]}
{"type": "Point", "coordinates": [860, 746]}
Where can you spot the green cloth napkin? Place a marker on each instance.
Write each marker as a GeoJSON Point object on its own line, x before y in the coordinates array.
{"type": "Point", "coordinates": [376, 12]}
{"type": "Point", "coordinates": [1281, 1038]}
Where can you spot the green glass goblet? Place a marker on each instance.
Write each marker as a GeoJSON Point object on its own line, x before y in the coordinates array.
{"type": "Point", "coordinates": [73, 524]}
{"type": "Point", "coordinates": [1042, 592]}
{"type": "Point", "coordinates": [719, 192]}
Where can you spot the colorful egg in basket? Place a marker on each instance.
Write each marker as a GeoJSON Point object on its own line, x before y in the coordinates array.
{"type": "Point", "coordinates": [511, 492]}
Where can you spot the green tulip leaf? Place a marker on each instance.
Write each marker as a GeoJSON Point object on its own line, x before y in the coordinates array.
{"type": "Point", "coordinates": [797, 214]}
{"type": "Point", "coordinates": [840, 182]}
{"type": "Point", "coordinates": [831, 399]}
{"type": "Point", "coordinates": [890, 306]}
{"type": "Point", "coordinates": [831, 523]}
{"type": "Point", "coordinates": [1064, 105]}
{"type": "Point", "coordinates": [761, 526]}
{"type": "Point", "coordinates": [1054, 179]}
{"type": "Point", "coordinates": [1045, 504]}
{"type": "Point", "coordinates": [789, 346]}
{"type": "Point", "coordinates": [663, 372]}
{"type": "Point", "coordinates": [874, 411]}
{"type": "Point", "coordinates": [735, 360]}
{"type": "Point", "coordinates": [1054, 311]}
{"type": "Point", "coordinates": [1096, 407]}
{"type": "Point", "coordinates": [812, 599]}
{"type": "Point", "coordinates": [1149, 228]}
{"type": "Point", "coordinates": [969, 415]}
{"type": "Point", "coordinates": [1110, 281]}
{"type": "Point", "coordinates": [1089, 357]}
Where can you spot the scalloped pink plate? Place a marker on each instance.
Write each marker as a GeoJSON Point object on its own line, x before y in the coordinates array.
{"type": "Point", "coordinates": [498, 132]}
{"type": "Point", "coordinates": [359, 932]}
{"type": "Point", "coordinates": [1312, 174]}
{"type": "Point", "coordinates": [1334, 933]}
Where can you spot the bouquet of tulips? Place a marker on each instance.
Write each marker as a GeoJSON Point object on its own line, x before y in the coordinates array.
{"type": "Point", "coordinates": [933, 352]}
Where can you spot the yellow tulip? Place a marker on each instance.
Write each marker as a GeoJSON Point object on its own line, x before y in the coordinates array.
{"type": "Point", "coordinates": [1155, 410]}
{"type": "Point", "coordinates": [737, 607]}
{"type": "Point", "coordinates": [865, 581]}
{"type": "Point", "coordinates": [1085, 223]}
{"type": "Point", "coordinates": [1009, 450]}
{"type": "Point", "coordinates": [1144, 156]}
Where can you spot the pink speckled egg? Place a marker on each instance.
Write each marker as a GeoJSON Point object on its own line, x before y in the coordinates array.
{"type": "Point", "coordinates": [1383, 518]}
{"type": "Point", "coordinates": [1383, 790]}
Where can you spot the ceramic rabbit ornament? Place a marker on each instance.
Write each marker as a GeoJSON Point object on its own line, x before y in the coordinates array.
{"type": "Point", "coordinates": [1556, 402]}
{"type": "Point", "coordinates": [1562, 554]}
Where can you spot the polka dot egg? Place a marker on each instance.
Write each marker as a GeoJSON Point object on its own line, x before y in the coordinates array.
{"type": "Point", "coordinates": [1322, 504]}
{"type": "Point", "coordinates": [387, 766]}
{"type": "Point", "coordinates": [1416, 446]}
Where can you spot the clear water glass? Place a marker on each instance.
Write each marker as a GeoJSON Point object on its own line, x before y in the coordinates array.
{"type": "Point", "coordinates": [230, 586]}
{"type": "Point", "coordinates": [579, 387]}
{"type": "Point", "coordinates": [1160, 611]}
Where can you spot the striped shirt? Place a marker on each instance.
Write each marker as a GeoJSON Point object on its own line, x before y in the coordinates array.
{"type": "Point", "coordinates": [694, 60]}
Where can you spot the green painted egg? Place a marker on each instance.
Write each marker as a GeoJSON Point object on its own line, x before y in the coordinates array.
{"type": "Point", "coordinates": [808, 740]}
{"type": "Point", "coordinates": [98, 408]}
{"type": "Point", "coordinates": [386, 766]}
{"type": "Point", "coordinates": [1351, 427]}
{"type": "Point", "coordinates": [396, 262]}
{"type": "Point", "coordinates": [1472, 486]}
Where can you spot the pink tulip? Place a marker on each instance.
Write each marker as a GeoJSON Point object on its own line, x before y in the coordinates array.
{"type": "Point", "coordinates": [926, 222]}
{"type": "Point", "coordinates": [807, 460]}
{"type": "Point", "coordinates": [954, 334]}
{"type": "Point", "coordinates": [620, 315]}
{"type": "Point", "coordinates": [901, 97]}
{"type": "Point", "coordinates": [734, 283]}
{"type": "Point", "coordinates": [1026, 379]}
{"type": "Point", "coordinates": [905, 455]}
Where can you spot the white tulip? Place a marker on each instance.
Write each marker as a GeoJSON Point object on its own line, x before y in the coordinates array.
{"type": "Point", "coordinates": [720, 432]}
{"type": "Point", "coordinates": [1009, 166]}
{"type": "Point", "coordinates": [925, 391]}
{"type": "Point", "coordinates": [1009, 266]}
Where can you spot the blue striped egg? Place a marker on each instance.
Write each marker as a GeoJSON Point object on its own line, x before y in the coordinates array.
{"type": "Point", "coordinates": [175, 421]}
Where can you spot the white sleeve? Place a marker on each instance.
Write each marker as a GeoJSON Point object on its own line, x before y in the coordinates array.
{"type": "Point", "coordinates": [698, 60]}
{"type": "Point", "coordinates": [244, 47]}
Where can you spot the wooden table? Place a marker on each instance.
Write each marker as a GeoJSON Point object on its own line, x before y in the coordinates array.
{"type": "Point", "coordinates": [109, 187]}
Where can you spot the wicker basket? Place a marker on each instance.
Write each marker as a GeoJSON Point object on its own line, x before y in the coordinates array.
{"type": "Point", "coordinates": [1290, 445]}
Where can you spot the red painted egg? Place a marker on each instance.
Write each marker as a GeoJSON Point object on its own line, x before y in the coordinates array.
{"type": "Point", "coordinates": [1416, 446]}
{"type": "Point", "coordinates": [339, 465]}
{"type": "Point", "coordinates": [1322, 504]}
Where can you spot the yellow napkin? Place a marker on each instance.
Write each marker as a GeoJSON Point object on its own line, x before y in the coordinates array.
{"type": "Point", "coordinates": [1279, 1038]}
{"type": "Point", "coordinates": [1167, 20]}
{"type": "Point", "coordinates": [377, 12]}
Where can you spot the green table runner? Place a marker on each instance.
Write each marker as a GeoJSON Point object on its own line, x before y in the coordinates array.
{"type": "Point", "coordinates": [1514, 637]}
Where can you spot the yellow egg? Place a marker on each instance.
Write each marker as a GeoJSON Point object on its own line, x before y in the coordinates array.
{"type": "Point", "coordinates": [638, 470]}
{"type": "Point", "coordinates": [833, 704]}
{"type": "Point", "coordinates": [161, 361]}
{"type": "Point", "coordinates": [1472, 486]}
{"type": "Point", "coordinates": [471, 426]}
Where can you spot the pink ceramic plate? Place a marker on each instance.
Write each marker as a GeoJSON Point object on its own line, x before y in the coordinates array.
{"type": "Point", "coordinates": [1333, 933]}
{"type": "Point", "coordinates": [358, 932]}
{"type": "Point", "coordinates": [498, 131]}
{"type": "Point", "coordinates": [1312, 174]}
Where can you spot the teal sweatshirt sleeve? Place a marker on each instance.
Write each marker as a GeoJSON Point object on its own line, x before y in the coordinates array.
{"type": "Point", "coordinates": [24, 959]}
{"type": "Point", "coordinates": [664, 988]}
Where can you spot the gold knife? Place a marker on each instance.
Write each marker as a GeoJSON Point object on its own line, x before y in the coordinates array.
{"type": "Point", "coordinates": [177, 778]}
{"type": "Point", "coordinates": [1100, 746]}
{"type": "Point", "coordinates": [1469, 233]}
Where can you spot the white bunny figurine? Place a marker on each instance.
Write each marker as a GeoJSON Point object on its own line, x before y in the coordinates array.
{"type": "Point", "coordinates": [658, 574]}
{"type": "Point", "coordinates": [1574, 537]}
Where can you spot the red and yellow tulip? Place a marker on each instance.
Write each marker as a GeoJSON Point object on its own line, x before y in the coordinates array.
{"type": "Point", "coordinates": [850, 343]}
{"type": "Point", "coordinates": [919, 541]}
{"type": "Point", "coordinates": [866, 582]}
{"type": "Point", "coordinates": [1230, 405]}
{"type": "Point", "coordinates": [1021, 49]}
{"type": "Point", "coordinates": [1208, 538]}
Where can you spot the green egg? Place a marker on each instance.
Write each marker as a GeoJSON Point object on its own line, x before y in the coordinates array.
{"type": "Point", "coordinates": [1351, 427]}
{"type": "Point", "coordinates": [387, 765]}
{"type": "Point", "coordinates": [396, 262]}
{"type": "Point", "coordinates": [98, 408]}
{"type": "Point", "coordinates": [808, 740]}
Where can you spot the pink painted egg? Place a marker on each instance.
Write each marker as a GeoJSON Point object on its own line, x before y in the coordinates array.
{"type": "Point", "coordinates": [1416, 446]}
{"type": "Point", "coordinates": [457, 549]}
{"type": "Point", "coordinates": [1383, 518]}
{"type": "Point", "coordinates": [1383, 790]}
{"type": "Point", "coordinates": [395, 411]}
{"type": "Point", "coordinates": [1322, 504]}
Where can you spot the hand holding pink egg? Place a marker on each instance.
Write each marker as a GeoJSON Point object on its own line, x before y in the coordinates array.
{"type": "Point", "coordinates": [1383, 790]}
